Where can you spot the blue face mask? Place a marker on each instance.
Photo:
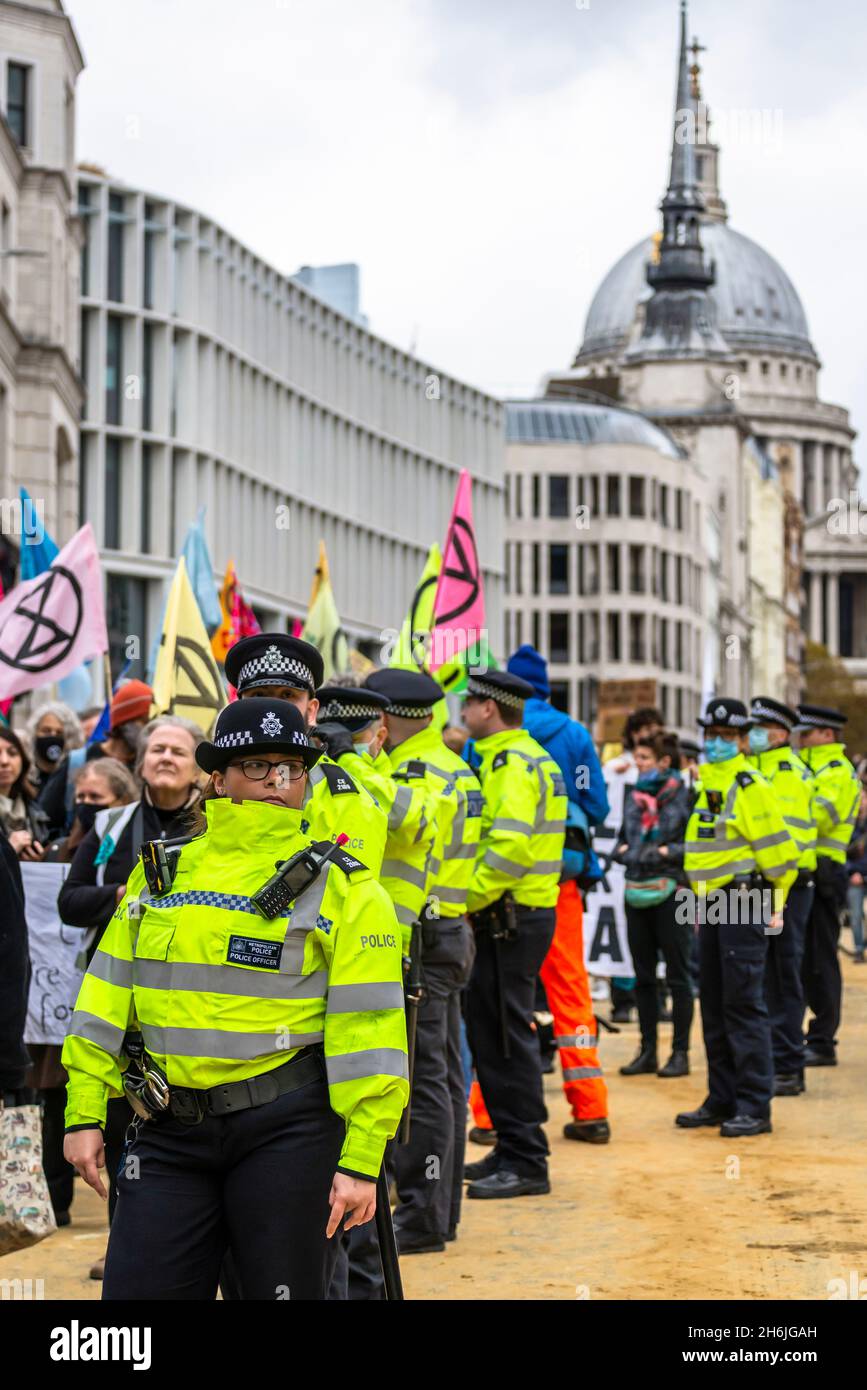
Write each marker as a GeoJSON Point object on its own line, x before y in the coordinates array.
{"type": "Point", "coordinates": [719, 750]}
{"type": "Point", "coordinates": [759, 740]}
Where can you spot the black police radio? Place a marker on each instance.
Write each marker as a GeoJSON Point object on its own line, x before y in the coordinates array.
{"type": "Point", "coordinates": [293, 877]}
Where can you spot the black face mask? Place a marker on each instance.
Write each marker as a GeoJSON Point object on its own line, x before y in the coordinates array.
{"type": "Point", "coordinates": [85, 813]}
{"type": "Point", "coordinates": [49, 747]}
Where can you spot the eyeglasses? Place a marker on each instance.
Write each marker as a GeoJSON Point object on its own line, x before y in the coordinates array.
{"type": "Point", "coordinates": [257, 769]}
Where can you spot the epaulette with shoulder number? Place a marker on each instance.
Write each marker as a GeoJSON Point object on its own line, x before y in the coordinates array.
{"type": "Point", "coordinates": [500, 760]}
{"type": "Point", "coordinates": [835, 762]}
{"type": "Point", "coordinates": [338, 780]}
{"type": "Point", "coordinates": [785, 767]}
{"type": "Point", "coordinates": [414, 768]}
{"type": "Point", "coordinates": [744, 779]}
{"type": "Point", "coordinates": [347, 862]}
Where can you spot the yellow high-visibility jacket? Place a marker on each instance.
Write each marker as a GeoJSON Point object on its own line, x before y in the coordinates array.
{"type": "Point", "coordinates": [456, 798]}
{"type": "Point", "coordinates": [737, 828]}
{"type": "Point", "coordinates": [523, 822]}
{"type": "Point", "coordinates": [409, 842]}
{"type": "Point", "coordinates": [335, 804]}
{"type": "Point", "coordinates": [221, 994]}
{"type": "Point", "coordinates": [792, 785]}
{"type": "Point", "coordinates": [836, 798]}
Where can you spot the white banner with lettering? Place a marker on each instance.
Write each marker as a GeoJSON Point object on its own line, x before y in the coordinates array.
{"type": "Point", "coordinates": [54, 947]}
{"type": "Point", "coordinates": [606, 948]}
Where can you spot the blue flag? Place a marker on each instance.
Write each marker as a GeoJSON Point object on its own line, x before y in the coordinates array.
{"type": "Point", "coordinates": [201, 572]}
{"type": "Point", "coordinates": [37, 548]}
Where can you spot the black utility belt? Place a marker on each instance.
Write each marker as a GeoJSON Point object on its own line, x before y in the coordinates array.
{"type": "Point", "coordinates": [432, 933]}
{"type": "Point", "coordinates": [751, 881]}
{"type": "Point", "coordinates": [806, 878]}
{"type": "Point", "coordinates": [191, 1106]}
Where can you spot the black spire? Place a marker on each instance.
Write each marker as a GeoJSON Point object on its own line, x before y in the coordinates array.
{"type": "Point", "coordinates": [680, 313]}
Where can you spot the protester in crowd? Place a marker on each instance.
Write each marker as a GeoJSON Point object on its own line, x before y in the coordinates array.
{"type": "Point", "coordinates": [52, 731]}
{"type": "Point", "coordinates": [651, 846]}
{"type": "Point", "coordinates": [856, 868]}
{"type": "Point", "coordinates": [108, 852]}
{"type": "Point", "coordinates": [88, 719]}
{"type": "Point", "coordinates": [20, 817]}
{"type": "Point", "coordinates": [129, 711]}
{"type": "Point", "coordinates": [14, 975]}
{"type": "Point", "coordinates": [99, 785]}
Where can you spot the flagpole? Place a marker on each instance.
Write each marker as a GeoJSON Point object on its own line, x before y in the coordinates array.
{"type": "Point", "coordinates": [107, 671]}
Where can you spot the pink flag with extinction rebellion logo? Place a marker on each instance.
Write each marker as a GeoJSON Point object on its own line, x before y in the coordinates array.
{"type": "Point", "coordinates": [54, 622]}
{"type": "Point", "coordinates": [459, 605]}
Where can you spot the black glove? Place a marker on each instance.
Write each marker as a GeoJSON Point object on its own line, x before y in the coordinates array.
{"type": "Point", "coordinates": [336, 739]}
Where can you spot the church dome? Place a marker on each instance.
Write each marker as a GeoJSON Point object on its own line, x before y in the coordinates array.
{"type": "Point", "coordinates": [757, 306]}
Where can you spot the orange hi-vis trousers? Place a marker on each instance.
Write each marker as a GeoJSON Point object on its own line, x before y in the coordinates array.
{"type": "Point", "coordinates": [567, 987]}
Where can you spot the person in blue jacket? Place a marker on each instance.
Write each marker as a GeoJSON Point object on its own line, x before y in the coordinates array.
{"type": "Point", "coordinates": [564, 974]}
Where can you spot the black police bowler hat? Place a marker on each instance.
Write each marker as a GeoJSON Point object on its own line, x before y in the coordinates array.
{"type": "Point", "coordinates": [728, 714]}
{"type": "Point", "coordinates": [502, 686]}
{"type": "Point", "coordinates": [247, 727]}
{"type": "Point", "coordinates": [820, 717]}
{"type": "Point", "coordinates": [274, 658]}
{"type": "Point", "coordinates": [412, 694]}
{"type": "Point", "coordinates": [350, 706]}
{"type": "Point", "coordinates": [764, 710]}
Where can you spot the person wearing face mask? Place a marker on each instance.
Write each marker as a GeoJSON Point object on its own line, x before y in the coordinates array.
{"type": "Point", "coordinates": [741, 861]}
{"type": "Point", "coordinates": [272, 1030]}
{"type": "Point", "coordinates": [20, 817]}
{"type": "Point", "coordinates": [54, 731]}
{"type": "Point", "coordinates": [655, 814]}
{"type": "Point", "coordinates": [771, 754]}
{"type": "Point", "coordinates": [99, 784]}
{"type": "Point", "coordinates": [280, 667]}
{"type": "Point", "coordinates": [836, 797]}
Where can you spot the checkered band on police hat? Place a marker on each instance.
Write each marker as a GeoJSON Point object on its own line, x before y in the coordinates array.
{"type": "Point", "coordinates": [234, 740]}
{"type": "Point", "coordinates": [820, 717]}
{"type": "Point", "coordinates": [275, 667]}
{"type": "Point", "coordinates": [773, 712]}
{"type": "Point", "coordinates": [410, 711]}
{"type": "Point", "coordinates": [348, 709]}
{"type": "Point", "coordinates": [487, 691]}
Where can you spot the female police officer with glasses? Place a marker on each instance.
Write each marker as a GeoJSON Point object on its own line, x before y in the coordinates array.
{"type": "Point", "coordinates": [266, 1032]}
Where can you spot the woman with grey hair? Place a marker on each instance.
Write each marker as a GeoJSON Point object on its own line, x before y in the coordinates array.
{"type": "Point", "coordinates": [52, 730]}
{"type": "Point", "coordinates": [169, 775]}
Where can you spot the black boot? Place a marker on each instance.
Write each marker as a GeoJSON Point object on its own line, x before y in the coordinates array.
{"type": "Point", "coordinates": [677, 1065]}
{"type": "Point", "coordinates": [644, 1063]}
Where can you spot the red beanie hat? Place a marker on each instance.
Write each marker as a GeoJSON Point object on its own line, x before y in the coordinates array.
{"type": "Point", "coordinates": [132, 701]}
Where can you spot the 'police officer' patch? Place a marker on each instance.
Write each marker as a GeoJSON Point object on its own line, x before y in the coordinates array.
{"type": "Point", "coordinates": [246, 950]}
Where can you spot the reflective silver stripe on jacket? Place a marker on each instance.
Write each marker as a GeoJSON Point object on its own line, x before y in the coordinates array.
{"type": "Point", "coordinates": [740, 866]}
{"type": "Point", "coordinates": [508, 866]}
{"type": "Point", "coordinates": [351, 999]}
{"type": "Point", "coordinates": [373, 1061]}
{"type": "Point", "coordinates": [111, 969]}
{"type": "Point", "coordinates": [200, 978]}
{"type": "Point", "coordinates": [211, 1042]}
{"type": "Point", "coordinates": [395, 868]}
{"type": "Point", "coordinates": [97, 1030]}
{"type": "Point", "coordinates": [400, 807]}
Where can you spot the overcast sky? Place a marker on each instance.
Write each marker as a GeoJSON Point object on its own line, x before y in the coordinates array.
{"type": "Point", "coordinates": [486, 161]}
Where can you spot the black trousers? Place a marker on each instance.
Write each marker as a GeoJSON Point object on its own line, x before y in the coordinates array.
{"type": "Point", "coordinates": [429, 1169]}
{"type": "Point", "coordinates": [257, 1180]}
{"type": "Point", "coordinates": [512, 1089]}
{"type": "Point", "coordinates": [734, 1015]}
{"type": "Point", "coordinates": [823, 983]}
{"type": "Point", "coordinates": [651, 930]}
{"type": "Point", "coordinates": [784, 991]}
{"type": "Point", "coordinates": [59, 1174]}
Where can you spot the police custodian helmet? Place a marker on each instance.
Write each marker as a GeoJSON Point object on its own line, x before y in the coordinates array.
{"type": "Point", "coordinates": [247, 727]}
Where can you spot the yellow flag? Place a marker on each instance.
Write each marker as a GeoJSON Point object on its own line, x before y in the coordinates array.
{"type": "Point", "coordinates": [410, 652]}
{"type": "Point", "coordinates": [186, 680]}
{"type": "Point", "coordinates": [322, 626]}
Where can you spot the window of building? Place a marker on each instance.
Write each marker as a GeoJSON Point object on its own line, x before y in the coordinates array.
{"type": "Point", "coordinates": [146, 479]}
{"type": "Point", "coordinates": [558, 569]}
{"type": "Point", "coordinates": [113, 369]}
{"type": "Point", "coordinates": [149, 255]}
{"type": "Point", "coordinates": [678, 509]}
{"type": "Point", "coordinates": [84, 192]}
{"type": "Point", "coordinates": [678, 646]}
{"type": "Point", "coordinates": [519, 494]}
{"type": "Point", "coordinates": [613, 627]}
{"type": "Point", "coordinates": [537, 494]}
{"type": "Point", "coordinates": [558, 495]}
{"type": "Point", "coordinates": [766, 368]}
{"type": "Point", "coordinates": [636, 569]}
{"type": "Point", "coordinates": [112, 493]}
{"type": "Point", "coordinates": [507, 496]}
{"type": "Point", "coordinates": [537, 567]}
{"type": "Point", "coordinates": [147, 377]}
{"type": "Point", "coordinates": [517, 576]}
{"type": "Point", "coordinates": [580, 637]}
{"type": "Point", "coordinates": [592, 645]}
{"type": "Point", "coordinates": [537, 629]}
{"type": "Point", "coordinates": [593, 494]}
{"type": "Point", "coordinates": [678, 579]}
{"type": "Point", "coordinates": [116, 224]}
{"type": "Point", "coordinates": [613, 569]}
{"type": "Point", "coordinates": [663, 503]}
{"type": "Point", "coordinates": [558, 638]}
{"type": "Point", "coordinates": [636, 637]}
{"type": "Point", "coordinates": [797, 373]}
{"type": "Point", "coordinates": [663, 575]}
{"type": "Point", "coordinates": [18, 101]}
{"type": "Point", "coordinates": [636, 496]}
{"type": "Point", "coordinates": [663, 643]}
{"type": "Point", "coordinates": [83, 478]}
{"type": "Point", "coordinates": [591, 569]}
{"type": "Point", "coordinates": [612, 495]}
{"type": "Point", "coordinates": [126, 612]}
{"type": "Point", "coordinates": [678, 706]}
{"type": "Point", "coordinates": [784, 370]}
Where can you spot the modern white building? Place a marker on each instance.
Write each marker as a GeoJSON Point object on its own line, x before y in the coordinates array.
{"type": "Point", "coordinates": [605, 557]}
{"type": "Point", "coordinates": [212, 378]}
{"type": "Point", "coordinates": [40, 391]}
